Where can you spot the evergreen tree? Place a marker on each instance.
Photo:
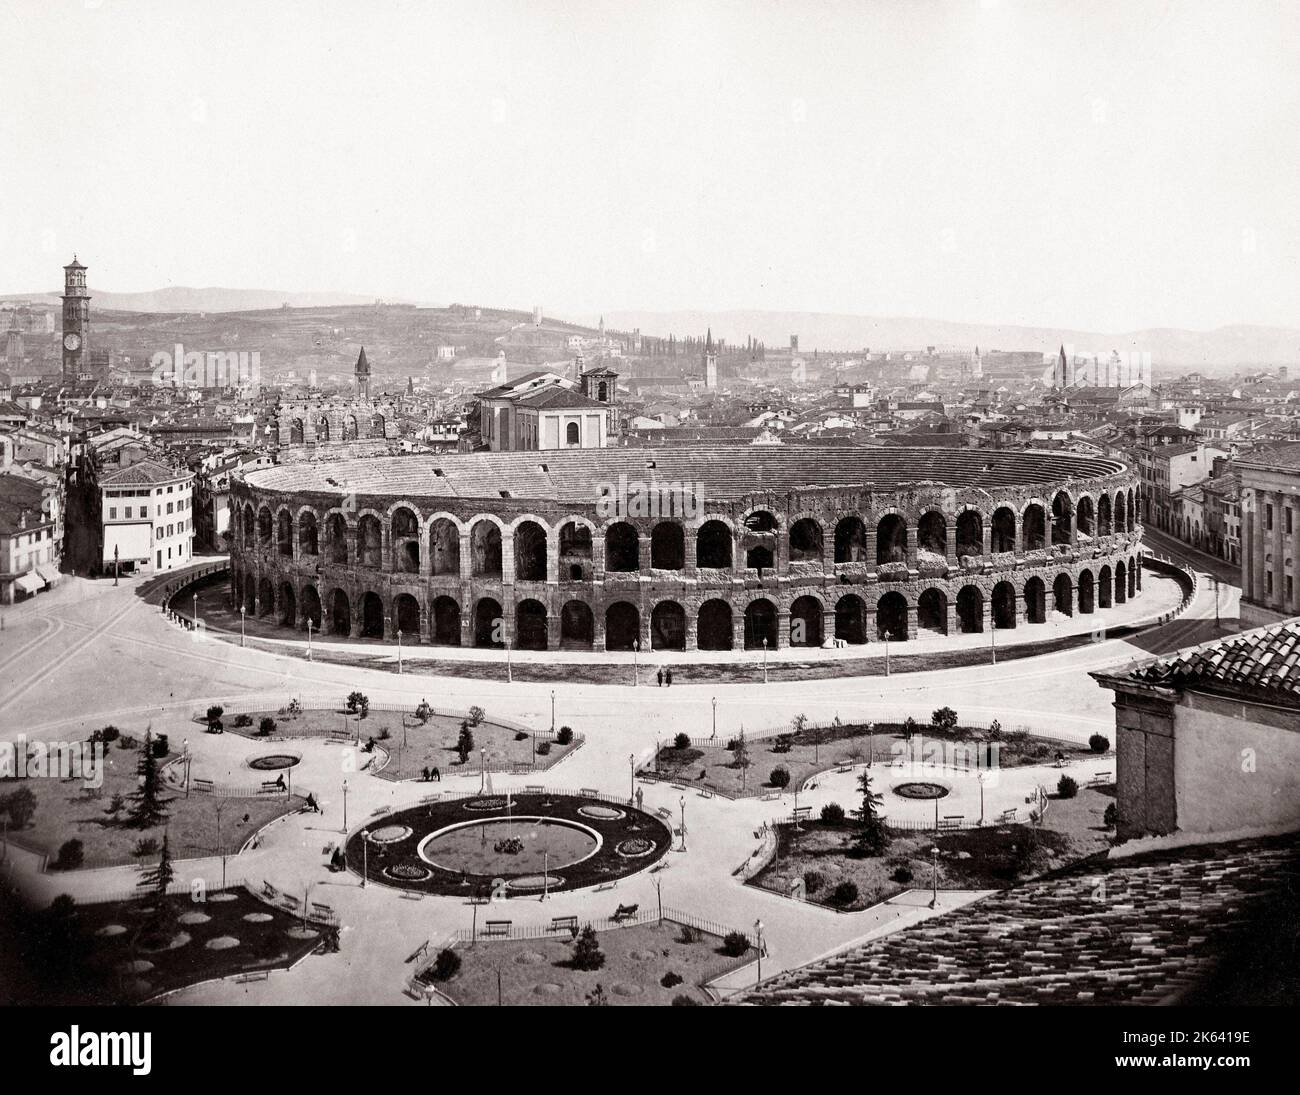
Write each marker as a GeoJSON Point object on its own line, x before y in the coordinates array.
{"type": "Point", "coordinates": [872, 836]}
{"type": "Point", "coordinates": [148, 806]}
{"type": "Point", "coordinates": [157, 879]}
{"type": "Point", "coordinates": [465, 743]}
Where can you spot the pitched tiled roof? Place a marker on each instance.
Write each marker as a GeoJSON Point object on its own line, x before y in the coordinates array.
{"type": "Point", "coordinates": [142, 472]}
{"type": "Point", "coordinates": [1264, 663]}
{"type": "Point", "coordinates": [1164, 919]}
{"type": "Point", "coordinates": [1278, 456]}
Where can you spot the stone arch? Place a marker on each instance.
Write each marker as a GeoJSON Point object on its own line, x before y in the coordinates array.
{"type": "Point", "coordinates": [404, 527]}
{"type": "Point", "coordinates": [370, 541]}
{"type": "Point", "coordinates": [851, 619]}
{"type": "Point", "coordinates": [249, 524]}
{"type": "Point", "coordinates": [530, 625]}
{"type": "Point", "coordinates": [1131, 510]}
{"type": "Point", "coordinates": [1035, 601]}
{"type": "Point", "coordinates": [340, 613]}
{"type": "Point", "coordinates": [1131, 588]}
{"type": "Point", "coordinates": [891, 617]}
{"type": "Point", "coordinates": [806, 545]}
{"type": "Point", "coordinates": [622, 626]}
{"type": "Point", "coordinates": [891, 539]}
{"type": "Point", "coordinates": [760, 624]}
{"type": "Point", "coordinates": [668, 626]}
{"type": "Point", "coordinates": [446, 621]}
{"type": "Point", "coordinates": [322, 428]}
{"type": "Point", "coordinates": [1063, 595]}
{"type": "Point", "coordinates": [1062, 518]}
{"type": "Point", "coordinates": [1087, 592]}
{"type": "Point", "coordinates": [850, 540]}
{"type": "Point", "coordinates": [714, 628]}
{"type": "Point", "coordinates": [265, 526]}
{"type": "Point", "coordinates": [1105, 587]}
{"type": "Point", "coordinates": [288, 605]}
{"type": "Point", "coordinates": [932, 610]}
{"type": "Point", "coordinates": [713, 545]}
{"type": "Point", "coordinates": [970, 610]}
{"type": "Point", "coordinates": [1104, 524]}
{"type": "Point", "coordinates": [1033, 528]}
{"type": "Point", "coordinates": [376, 425]}
{"type": "Point", "coordinates": [296, 432]}
{"type": "Point", "coordinates": [485, 549]}
{"type": "Point", "coordinates": [283, 532]}
{"type": "Point", "coordinates": [311, 606]}
{"type": "Point", "coordinates": [406, 616]}
{"type": "Point", "coordinates": [489, 627]}
{"type": "Point", "coordinates": [1121, 513]}
{"type": "Point", "coordinates": [1002, 605]}
{"type": "Point", "coordinates": [444, 547]}
{"type": "Point", "coordinates": [308, 534]}
{"type": "Point", "coordinates": [667, 546]}
{"type": "Point", "coordinates": [622, 548]}
{"type": "Point", "coordinates": [1003, 530]}
{"type": "Point", "coordinates": [932, 533]}
{"type": "Point", "coordinates": [970, 533]}
{"type": "Point", "coordinates": [1085, 516]}
{"type": "Point", "coordinates": [372, 615]}
{"type": "Point", "coordinates": [577, 626]}
{"type": "Point", "coordinates": [806, 621]}
{"type": "Point", "coordinates": [575, 560]}
{"type": "Point", "coordinates": [336, 537]}
{"type": "Point", "coordinates": [530, 552]}
{"type": "Point", "coordinates": [761, 532]}
{"type": "Point", "coordinates": [265, 596]}
{"type": "Point", "coordinates": [349, 427]}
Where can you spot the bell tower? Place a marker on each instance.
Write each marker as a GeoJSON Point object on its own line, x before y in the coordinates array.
{"type": "Point", "coordinates": [76, 320]}
{"type": "Point", "coordinates": [363, 375]}
{"type": "Point", "coordinates": [710, 362]}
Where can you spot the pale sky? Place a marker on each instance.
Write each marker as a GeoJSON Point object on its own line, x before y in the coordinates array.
{"type": "Point", "coordinates": [1103, 166]}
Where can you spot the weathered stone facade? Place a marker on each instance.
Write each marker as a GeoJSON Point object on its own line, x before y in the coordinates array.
{"type": "Point", "coordinates": [488, 549]}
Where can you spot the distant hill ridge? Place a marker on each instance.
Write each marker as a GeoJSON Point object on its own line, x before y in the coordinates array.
{"type": "Point", "coordinates": [181, 298]}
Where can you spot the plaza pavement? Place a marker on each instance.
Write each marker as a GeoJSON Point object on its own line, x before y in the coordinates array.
{"type": "Point", "coordinates": [90, 653]}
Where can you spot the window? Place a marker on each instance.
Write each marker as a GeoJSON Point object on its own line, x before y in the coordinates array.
{"type": "Point", "coordinates": [1268, 517]}
{"type": "Point", "coordinates": [112, 513]}
{"type": "Point", "coordinates": [128, 512]}
{"type": "Point", "coordinates": [1288, 520]}
{"type": "Point", "coordinates": [571, 433]}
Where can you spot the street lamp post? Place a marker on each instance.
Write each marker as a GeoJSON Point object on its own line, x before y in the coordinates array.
{"type": "Point", "coordinates": [510, 674]}
{"type": "Point", "coordinates": [934, 884]}
{"type": "Point", "coordinates": [345, 806]}
{"type": "Point", "coordinates": [221, 848]}
{"type": "Point", "coordinates": [758, 945]}
{"type": "Point", "coordinates": [196, 610]}
{"type": "Point", "coordinates": [309, 638]}
{"type": "Point", "coordinates": [682, 803]}
{"type": "Point", "coordinates": [980, 778]}
{"type": "Point", "coordinates": [715, 716]}
{"type": "Point", "coordinates": [365, 856]}
{"type": "Point", "coordinates": [242, 611]}
{"type": "Point", "coordinates": [631, 764]}
{"type": "Point", "coordinates": [399, 651]}
{"type": "Point", "coordinates": [636, 669]}
{"type": "Point", "coordinates": [765, 659]}
{"type": "Point", "coordinates": [993, 640]}
{"type": "Point", "coordinates": [886, 653]}
{"type": "Point", "coordinates": [552, 711]}
{"type": "Point", "coordinates": [185, 747]}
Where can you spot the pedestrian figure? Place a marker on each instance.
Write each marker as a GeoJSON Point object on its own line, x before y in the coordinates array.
{"type": "Point", "coordinates": [437, 775]}
{"type": "Point", "coordinates": [659, 677]}
{"type": "Point", "coordinates": [668, 677]}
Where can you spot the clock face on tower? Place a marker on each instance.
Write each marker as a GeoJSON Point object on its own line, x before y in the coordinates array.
{"type": "Point", "coordinates": [72, 340]}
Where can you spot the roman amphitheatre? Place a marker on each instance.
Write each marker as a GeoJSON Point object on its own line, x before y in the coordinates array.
{"type": "Point", "coordinates": [788, 546]}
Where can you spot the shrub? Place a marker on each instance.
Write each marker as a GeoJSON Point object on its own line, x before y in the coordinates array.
{"type": "Point", "coordinates": [465, 742]}
{"type": "Point", "coordinates": [72, 854]}
{"type": "Point", "coordinates": [565, 736]}
{"type": "Point", "coordinates": [384, 735]}
{"type": "Point", "coordinates": [476, 715]}
{"type": "Point", "coordinates": [682, 741]}
{"type": "Point", "coordinates": [833, 814]}
{"type": "Point", "coordinates": [243, 720]}
{"type": "Point", "coordinates": [670, 979]}
{"type": "Point", "coordinates": [116, 804]}
{"type": "Point", "coordinates": [780, 777]}
{"type": "Point", "coordinates": [126, 741]}
{"type": "Point", "coordinates": [359, 703]}
{"type": "Point", "coordinates": [214, 713]}
{"type": "Point", "coordinates": [111, 733]}
{"type": "Point", "coordinates": [295, 708]}
{"type": "Point", "coordinates": [267, 725]}
{"type": "Point", "coordinates": [145, 846]}
{"type": "Point", "coordinates": [945, 718]}
{"type": "Point", "coordinates": [1111, 817]}
{"type": "Point", "coordinates": [543, 748]}
{"type": "Point", "coordinates": [1099, 743]}
{"type": "Point", "coordinates": [520, 735]}
{"type": "Point", "coordinates": [735, 944]}
{"type": "Point", "coordinates": [587, 954]}
{"type": "Point", "coordinates": [446, 965]}
{"type": "Point", "coordinates": [160, 747]}
{"type": "Point", "coordinates": [19, 806]}
{"type": "Point", "coordinates": [681, 1000]}
{"type": "Point", "coordinates": [812, 881]}
{"type": "Point", "coordinates": [688, 935]}
{"type": "Point", "coordinates": [1067, 787]}
{"type": "Point", "coordinates": [902, 874]}
{"type": "Point", "coordinates": [424, 712]}
{"type": "Point", "coordinates": [845, 893]}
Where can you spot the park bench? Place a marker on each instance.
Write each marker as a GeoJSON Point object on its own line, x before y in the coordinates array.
{"type": "Point", "coordinates": [270, 787]}
{"type": "Point", "coordinates": [325, 912]}
{"type": "Point", "coordinates": [705, 794]}
{"type": "Point", "coordinates": [431, 798]}
{"type": "Point", "coordinates": [951, 821]}
{"type": "Point", "coordinates": [497, 928]}
{"type": "Point", "coordinates": [664, 812]}
{"type": "Point", "coordinates": [1100, 779]}
{"type": "Point", "coordinates": [533, 788]}
{"type": "Point", "coordinates": [563, 923]}
{"type": "Point", "coordinates": [769, 796]}
{"type": "Point", "coordinates": [625, 912]}
{"type": "Point", "coordinates": [590, 792]}
{"type": "Point", "coordinates": [410, 895]}
{"type": "Point", "coordinates": [201, 786]}
{"type": "Point", "coordinates": [257, 975]}
{"type": "Point", "coordinates": [801, 814]}
{"type": "Point", "coordinates": [1007, 815]}
{"type": "Point", "coordinates": [270, 891]}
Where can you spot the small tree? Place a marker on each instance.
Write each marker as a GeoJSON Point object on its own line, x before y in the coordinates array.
{"type": "Point", "coordinates": [944, 719]}
{"type": "Point", "coordinates": [797, 724]}
{"type": "Point", "coordinates": [740, 753]}
{"type": "Point", "coordinates": [1098, 743]}
{"type": "Point", "coordinates": [995, 730]}
{"type": "Point", "coordinates": [424, 712]}
{"type": "Point", "coordinates": [780, 777]}
{"type": "Point", "coordinates": [214, 717]}
{"type": "Point", "coordinates": [845, 893]}
{"type": "Point", "coordinates": [465, 742]}
{"type": "Point", "coordinates": [157, 879]}
{"type": "Point", "coordinates": [359, 704]}
{"type": "Point", "coordinates": [446, 965]}
{"type": "Point", "coordinates": [872, 837]}
{"type": "Point", "coordinates": [682, 741]}
{"type": "Point", "coordinates": [1066, 787]}
{"type": "Point", "coordinates": [735, 944]}
{"type": "Point", "coordinates": [596, 998]}
{"type": "Point", "coordinates": [587, 954]}
{"type": "Point", "coordinates": [564, 736]}
{"type": "Point", "coordinates": [1110, 818]}
{"type": "Point", "coordinates": [72, 853]}
{"type": "Point", "coordinates": [148, 806]}
{"type": "Point", "coordinates": [833, 814]}
{"type": "Point", "coordinates": [18, 806]}
{"type": "Point", "coordinates": [266, 726]}
{"type": "Point", "coordinates": [476, 715]}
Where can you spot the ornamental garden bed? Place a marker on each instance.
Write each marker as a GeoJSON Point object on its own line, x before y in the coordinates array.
{"type": "Point", "coordinates": [815, 749]}
{"type": "Point", "coordinates": [66, 810]}
{"type": "Point", "coordinates": [515, 847]}
{"type": "Point", "coordinates": [125, 952]}
{"type": "Point", "coordinates": [993, 857]}
{"type": "Point", "coordinates": [417, 745]}
{"type": "Point", "coordinates": [637, 962]}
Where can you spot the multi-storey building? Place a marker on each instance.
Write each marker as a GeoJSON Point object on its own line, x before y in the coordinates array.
{"type": "Point", "coordinates": [147, 517]}
{"type": "Point", "coordinates": [1270, 516]}
{"type": "Point", "coordinates": [29, 549]}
